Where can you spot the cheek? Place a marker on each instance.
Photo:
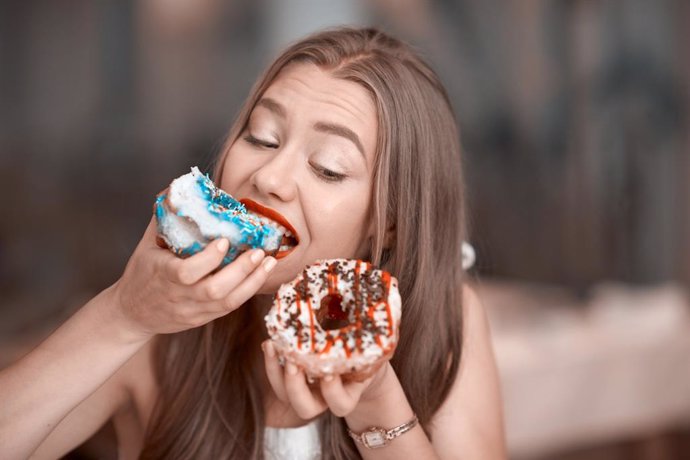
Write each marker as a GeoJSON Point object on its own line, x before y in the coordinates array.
{"type": "Point", "coordinates": [340, 223]}
{"type": "Point", "coordinates": [234, 173]}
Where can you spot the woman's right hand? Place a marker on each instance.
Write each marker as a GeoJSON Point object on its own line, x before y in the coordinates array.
{"type": "Point", "coordinates": [161, 293]}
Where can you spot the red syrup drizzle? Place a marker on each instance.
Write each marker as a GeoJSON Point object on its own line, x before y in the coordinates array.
{"type": "Point", "coordinates": [332, 316]}
{"type": "Point", "coordinates": [331, 313]}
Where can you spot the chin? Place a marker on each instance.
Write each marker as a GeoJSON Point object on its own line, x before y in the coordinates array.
{"type": "Point", "coordinates": [270, 287]}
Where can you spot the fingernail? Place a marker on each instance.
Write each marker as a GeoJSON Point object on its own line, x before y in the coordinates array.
{"type": "Point", "coordinates": [291, 369]}
{"type": "Point", "coordinates": [328, 378]}
{"type": "Point", "coordinates": [256, 256]}
{"type": "Point", "coordinates": [223, 245]}
{"type": "Point", "coordinates": [269, 263]}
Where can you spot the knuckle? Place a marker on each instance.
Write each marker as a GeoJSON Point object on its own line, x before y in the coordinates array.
{"type": "Point", "coordinates": [337, 406]}
{"type": "Point", "coordinates": [179, 317]}
{"type": "Point", "coordinates": [175, 270]}
{"type": "Point", "coordinates": [213, 291]}
{"type": "Point", "coordinates": [196, 321]}
{"type": "Point", "coordinates": [304, 412]}
{"type": "Point", "coordinates": [185, 276]}
{"type": "Point", "coordinates": [170, 265]}
{"type": "Point", "coordinates": [346, 408]}
{"type": "Point", "coordinates": [339, 411]}
{"type": "Point", "coordinates": [230, 303]}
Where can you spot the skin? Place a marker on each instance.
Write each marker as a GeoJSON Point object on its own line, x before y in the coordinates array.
{"type": "Point", "coordinates": [97, 365]}
{"type": "Point", "coordinates": [326, 194]}
{"type": "Point", "coordinates": [325, 197]}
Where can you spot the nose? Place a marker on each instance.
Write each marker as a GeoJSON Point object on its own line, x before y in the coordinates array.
{"type": "Point", "coordinates": [276, 177]}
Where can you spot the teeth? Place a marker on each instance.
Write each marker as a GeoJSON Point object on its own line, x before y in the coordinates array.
{"type": "Point", "coordinates": [284, 248]}
{"type": "Point", "coordinates": [271, 223]}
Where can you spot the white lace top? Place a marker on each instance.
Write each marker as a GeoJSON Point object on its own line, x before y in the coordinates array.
{"type": "Point", "coordinates": [301, 443]}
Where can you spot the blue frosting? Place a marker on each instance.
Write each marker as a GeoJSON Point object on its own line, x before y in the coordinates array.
{"type": "Point", "coordinates": [160, 210]}
{"type": "Point", "coordinates": [223, 207]}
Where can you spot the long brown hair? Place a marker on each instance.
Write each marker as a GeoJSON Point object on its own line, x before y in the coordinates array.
{"type": "Point", "coordinates": [210, 403]}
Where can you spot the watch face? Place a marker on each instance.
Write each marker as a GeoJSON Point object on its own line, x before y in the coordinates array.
{"type": "Point", "coordinates": [375, 438]}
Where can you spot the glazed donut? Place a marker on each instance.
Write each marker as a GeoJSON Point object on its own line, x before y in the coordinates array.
{"type": "Point", "coordinates": [338, 316]}
{"type": "Point", "coordinates": [192, 212]}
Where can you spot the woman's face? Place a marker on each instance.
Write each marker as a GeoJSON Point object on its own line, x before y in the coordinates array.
{"type": "Point", "coordinates": [308, 153]}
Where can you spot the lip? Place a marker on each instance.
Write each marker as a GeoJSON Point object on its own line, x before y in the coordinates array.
{"type": "Point", "coordinates": [274, 215]}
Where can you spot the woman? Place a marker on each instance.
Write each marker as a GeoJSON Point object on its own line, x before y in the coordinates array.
{"type": "Point", "coordinates": [351, 137]}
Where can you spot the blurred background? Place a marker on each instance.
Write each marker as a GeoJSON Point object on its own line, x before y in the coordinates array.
{"type": "Point", "coordinates": [574, 118]}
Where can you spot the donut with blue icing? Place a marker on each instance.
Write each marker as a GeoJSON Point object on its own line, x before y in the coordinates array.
{"type": "Point", "coordinates": [192, 212]}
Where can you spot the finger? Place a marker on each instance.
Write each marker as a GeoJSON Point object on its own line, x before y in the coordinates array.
{"type": "Point", "coordinates": [192, 269]}
{"type": "Point", "coordinates": [247, 287]}
{"type": "Point", "coordinates": [342, 398]}
{"type": "Point", "coordinates": [219, 285]}
{"type": "Point", "coordinates": [274, 371]}
{"type": "Point", "coordinates": [305, 402]}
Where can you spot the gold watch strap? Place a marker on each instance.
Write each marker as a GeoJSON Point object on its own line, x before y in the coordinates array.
{"type": "Point", "coordinates": [375, 437]}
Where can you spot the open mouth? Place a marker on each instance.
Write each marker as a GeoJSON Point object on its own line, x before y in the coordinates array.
{"type": "Point", "coordinates": [274, 219]}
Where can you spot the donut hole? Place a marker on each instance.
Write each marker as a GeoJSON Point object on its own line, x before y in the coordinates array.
{"type": "Point", "coordinates": [330, 314]}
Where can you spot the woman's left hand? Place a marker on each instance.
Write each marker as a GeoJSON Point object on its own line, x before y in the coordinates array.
{"type": "Point", "coordinates": [290, 386]}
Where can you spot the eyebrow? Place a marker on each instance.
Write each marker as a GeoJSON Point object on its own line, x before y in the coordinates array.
{"type": "Point", "coordinates": [342, 131]}
{"type": "Point", "coordinates": [273, 106]}
{"type": "Point", "coordinates": [329, 128]}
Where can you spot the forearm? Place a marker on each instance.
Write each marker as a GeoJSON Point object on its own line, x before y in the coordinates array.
{"type": "Point", "coordinates": [391, 408]}
{"type": "Point", "coordinates": [39, 390]}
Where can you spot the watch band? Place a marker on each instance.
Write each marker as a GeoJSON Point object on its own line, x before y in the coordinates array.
{"type": "Point", "coordinates": [375, 437]}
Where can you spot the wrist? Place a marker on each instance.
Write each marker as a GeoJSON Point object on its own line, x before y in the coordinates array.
{"type": "Point", "coordinates": [386, 405]}
{"type": "Point", "coordinates": [108, 317]}
{"type": "Point", "coordinates": [376, 437]}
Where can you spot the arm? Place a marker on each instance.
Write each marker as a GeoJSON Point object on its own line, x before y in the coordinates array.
{"type": "Point", "coordinates": [468, 425]}
{"type": "Point", "coordinates": [69, 375]}
{"type": "Point", "coordinates": [71, 366]}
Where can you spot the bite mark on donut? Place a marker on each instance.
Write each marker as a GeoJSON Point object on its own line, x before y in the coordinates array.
{"type": "Point", "coordinates": [273, 218]}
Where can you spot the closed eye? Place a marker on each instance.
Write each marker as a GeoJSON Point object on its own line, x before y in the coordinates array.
{"type": "Point", "coordinates": [327, 174]}
{"type": "Point", "coordinates": [259, 142]}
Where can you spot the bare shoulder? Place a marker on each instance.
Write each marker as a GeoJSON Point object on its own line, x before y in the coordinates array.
{"type": "Point", "coordinates": [469, 424]}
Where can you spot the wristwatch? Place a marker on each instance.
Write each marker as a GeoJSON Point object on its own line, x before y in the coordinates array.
{"type": "Point", "coordinates": [375, 437]}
